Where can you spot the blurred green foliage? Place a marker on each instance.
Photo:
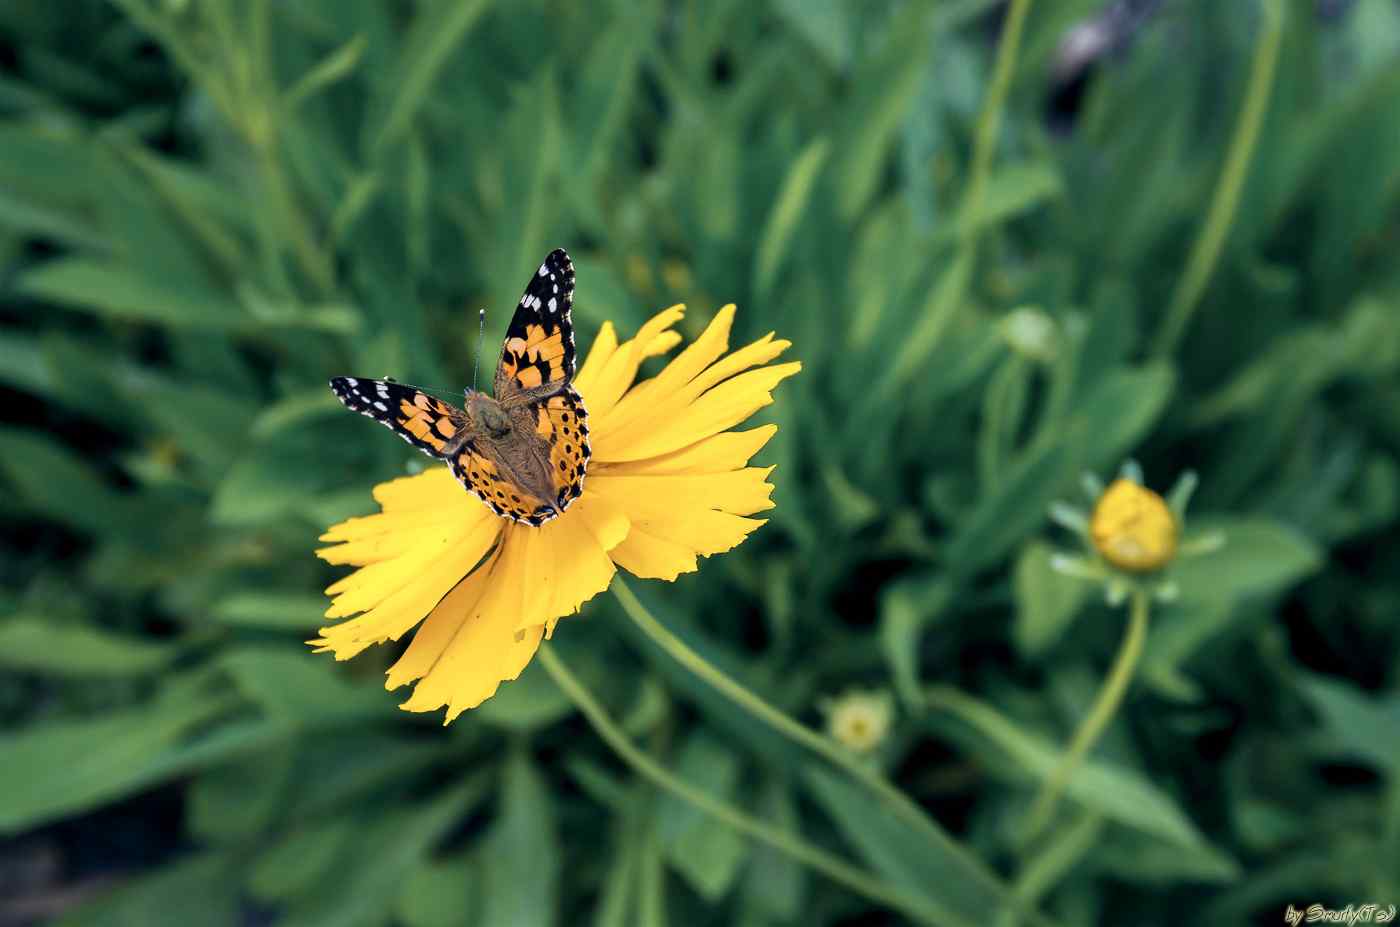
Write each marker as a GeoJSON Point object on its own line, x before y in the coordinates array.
{"type": "Point", "coordinates": [207, 207]}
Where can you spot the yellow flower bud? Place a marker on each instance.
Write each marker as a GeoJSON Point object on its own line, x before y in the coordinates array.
{"type": "Point", "coordinates": [1132, 528]}
{"type": "Point", "coordinates": [860, 720]}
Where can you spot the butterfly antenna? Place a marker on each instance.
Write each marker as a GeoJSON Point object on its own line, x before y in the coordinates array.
{"type": "Point", "coordinates": [480, 336]}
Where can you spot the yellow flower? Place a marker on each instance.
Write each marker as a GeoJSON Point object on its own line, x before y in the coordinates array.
{"type": "Point", "coordinates": [1132, 528]}
{"type": "Point", "coordinates": [667, 482]}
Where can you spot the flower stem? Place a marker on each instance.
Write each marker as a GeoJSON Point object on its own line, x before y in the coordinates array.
{"type": "Point", "coordinates": [857, 880]}
{"type": "Point", "coordinates": [894, 800]}
{"type": "Point", "coordinates": [1208, 246]}
{"type": "Point", "coordinates": [1110, 697]}
{"type": "Point", "coordinates": [989, 118]}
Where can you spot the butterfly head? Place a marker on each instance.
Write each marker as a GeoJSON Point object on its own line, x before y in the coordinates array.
{"type": "Point", "coordinates": [486, 414]}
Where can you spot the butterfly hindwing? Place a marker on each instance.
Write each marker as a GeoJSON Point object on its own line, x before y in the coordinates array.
{"type": "Point", "coordinates": [479, 473]}
{"type": "Point", "coordinates": [539, 345]}
{"type": "Point", "coordinates": [424, 421]}
{"type": "Point", "coordinates": [563, 423]}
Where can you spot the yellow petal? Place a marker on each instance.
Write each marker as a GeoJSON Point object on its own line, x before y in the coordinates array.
{"type": "Point", "coordinates": [741, 492]}
{"type": "Point", "coordinates": [721, 407]}
{"type": "Point", "coordinates": [439, 628]}
{"type": "Point", "coordinates": [567, 560]}
{"type": "Point", "coordinates": [427, 490]}
{"type": "Point", "coordinates": [650, 557]}
{"type": "Point", "coordinates": [485, 650]}
{"type": "Point", "coordinates": [712, 343]}
{"type": "Point", "coordinates": [406, 603]}
{"type": "Point", "coordinates": [413, 506]}
{"type": "Point", "coordinates": [603, 347]}
{"type": "Point", "coordinates": [674, 518]}
{"type": "Point", "coordinates": [620, 369]}
{"type": "Point", "coordinates": [633, 420]}
{"type": "Point", "coordinates": [719, 453]}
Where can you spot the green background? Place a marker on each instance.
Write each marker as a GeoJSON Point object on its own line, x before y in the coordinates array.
{"type": "Point", "coordinates": [207, 207]}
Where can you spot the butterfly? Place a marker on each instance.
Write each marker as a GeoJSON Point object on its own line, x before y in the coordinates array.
{"type": "Point", "coordinates": [524, 450]}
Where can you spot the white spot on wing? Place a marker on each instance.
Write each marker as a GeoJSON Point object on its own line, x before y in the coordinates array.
{"type": "Point", "coordinates": [381, 407]}
{"type": "Point", "coordinates": [553, 307]}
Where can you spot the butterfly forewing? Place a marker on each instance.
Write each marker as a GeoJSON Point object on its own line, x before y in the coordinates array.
{"type": "Point", "coordinates": [539, 345]}
{"type": "Point", "coordinates": [424, 421]}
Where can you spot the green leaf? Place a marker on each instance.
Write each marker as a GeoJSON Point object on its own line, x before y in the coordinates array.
{"type": "Point", "coordinates": [1046, 600]}
{"type": "Point", "coordinates": [1010, 509]}
{"type": "Point", "coordinates": [440, 893]}
{"type": "Point", "coordinates": [524, 841]}
{"type": "Point", "coordinates": [1260, 558]}
{"type": "Point", "coordinates": [29, 643]}
{"type": "Point", "coordinates": [58, 485]}
{"type": "Point", "coordinates": [1119, 794]}
{"type": "Point", "coordinates": [1361, 726]}
{"type": "Point", "coordinates": [824, 24]}
{"type": "Point", "coordinates": [303, 859]}
{"type": "Point", "coordinates": [200, 889]}
{"type": "Point", "coordinates": [289, 611]}
{"type": "Point", "coordinates": [61, 768]}
{"type": "Point", "coordinates": [707, 853]}
{"type": "Point", "coordinates": [331, 69]}
{"type": "Point", "coordinates": [1118, 412]}
{"type": "Point", "coordinates": [118, 293]}
{"type": "Point", "coordinates": [882, 92]}
{"type": "Point", "coordinates": [774, 883]}
{"type": "Point", "coordinates": [787, 212]}
{"type": "Point", "coordinates": [952, 880]}
{"type": "Point", "coordinates": [437, 30]}
{"type": "Point", "coordinates": [237, 802]}
{"type": "Point", "coordinates": [304, 688]}
{"type": "Point", "coordinates": [907, 609]}
{"type": "Point", "coordinates": [386, 851]}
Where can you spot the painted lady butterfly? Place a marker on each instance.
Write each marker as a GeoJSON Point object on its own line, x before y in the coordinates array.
{"type": "Point", "coordinates": [524, 451]}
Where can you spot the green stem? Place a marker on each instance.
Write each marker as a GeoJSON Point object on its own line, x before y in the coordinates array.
{"type": "Point", "coordinates": [949, 293]}
{"type": "Point", "coordinates": [989, 119]}
{"type": "Point", "coordinates": [857, 880]}
{"type": "Point", "coordinates": [1105, 707]}
{"type": "Point", "coordinates": [894, 800]}
{"type": "Point", "coordinates": [1206, 251]}
{"type": "Point", "coordinates": [1042, 871]}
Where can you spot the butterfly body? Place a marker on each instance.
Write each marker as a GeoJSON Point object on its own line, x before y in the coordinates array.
{"type": "Point", "coordinates": [524, 450]}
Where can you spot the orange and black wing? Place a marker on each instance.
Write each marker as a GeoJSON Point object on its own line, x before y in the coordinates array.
{"type": "Point", "coordinates": [480, 474]}
{"type": "Point", "coordinates": [539, 346]}
{"type": "Point", "coordinates": [424, 421]}
{"type": "Point", "coordinates": [562, 422]}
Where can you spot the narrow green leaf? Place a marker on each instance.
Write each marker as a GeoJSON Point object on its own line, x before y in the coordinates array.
{"type": "Point", "coordinates": [524, 841]}
{"type": "Point", "coordinates": [200, 889]}
{"type": "Point", "coordinates": [440, 893]}
{"type": "Point", "coordinates": [1046, 601]}
{"type": "Point", "coordinates": [61, 768]}
{"type": "Point", "coordinates": [291, 611]}
{"type": "Point", "coordinates": [787, 212]}
{"type": "Point", "coordinates": [952, 880]}
{"type": "Point", "coordinates": [330, 70]}
{"type": "Point", "coordinates": [1362, 726]}
{"type": "Point", "coordinates": [35, 644]}
{"type": "Point", "coordinates": [1259, 558]}
{"type": "Point", "coordinates": [707, 853]}
{"type": "Point", "coordinates": [436, 32]}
